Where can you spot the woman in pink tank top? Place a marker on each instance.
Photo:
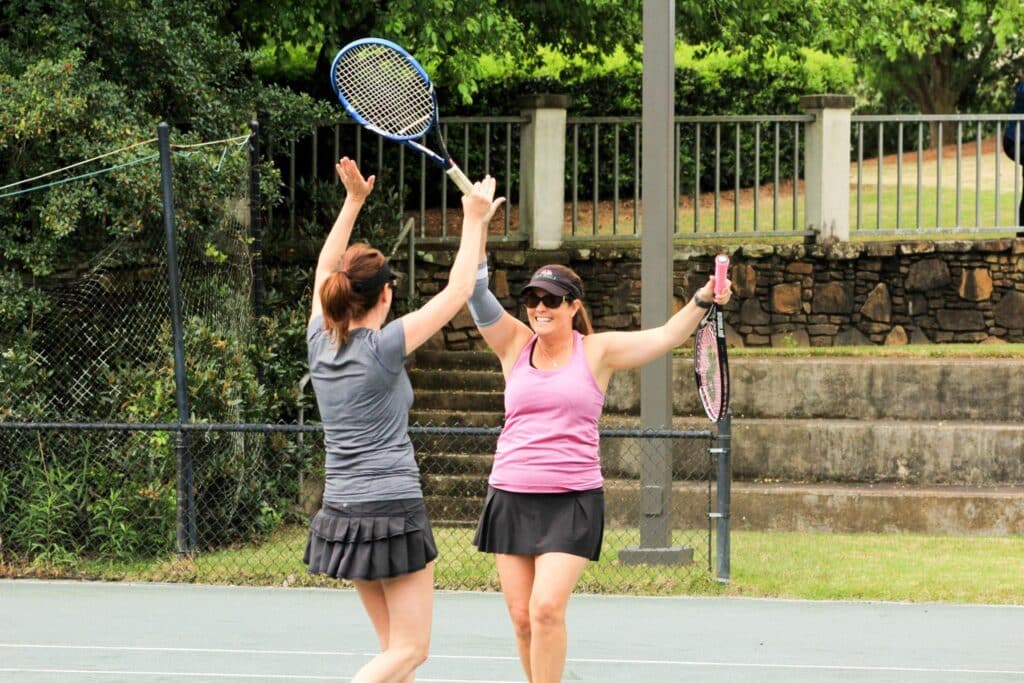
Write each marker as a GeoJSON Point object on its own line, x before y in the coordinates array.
{"type": "Point", "coordinates": [544, 513]}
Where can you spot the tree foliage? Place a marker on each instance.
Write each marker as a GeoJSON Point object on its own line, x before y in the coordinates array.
{"type": "Point", "coordinates": [943, 56]}
{"type": "Point", "coordinates": [930, 56]}
{"type": "Point", "coordinates": [78, 80]}
{"type": "Point", "coordinates": [448, 37]}
{"type": "Point", "coordinates": [761, 28]}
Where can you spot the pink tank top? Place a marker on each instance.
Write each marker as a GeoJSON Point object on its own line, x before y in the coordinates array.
{"type": "Point", "coordinates": [550, 440]}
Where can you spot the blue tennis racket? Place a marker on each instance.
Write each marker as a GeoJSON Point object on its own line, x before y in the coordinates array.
{"type": "Point", "coordinates": [387, 91]}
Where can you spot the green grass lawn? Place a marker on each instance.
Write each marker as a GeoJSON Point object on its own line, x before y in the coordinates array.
{"type": "Point", "coordinates": [814, 566]}
{"type": "Point", "coordinates": [899, 209]}
{"type": "Point", "coordinates": [901, 567]}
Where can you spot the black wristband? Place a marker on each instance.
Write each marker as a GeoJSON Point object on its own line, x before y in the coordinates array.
{"type": "Point", "coordinates": [701, 303]}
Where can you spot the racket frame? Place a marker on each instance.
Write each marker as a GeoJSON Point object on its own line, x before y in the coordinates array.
{"type": "Point", "coordinates": [714, 317]}
{"type": "Point", "coordinates": [443, 159]}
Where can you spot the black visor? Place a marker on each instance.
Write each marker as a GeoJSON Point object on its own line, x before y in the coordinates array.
{"type": "Point", "coordinates": [374, 282]}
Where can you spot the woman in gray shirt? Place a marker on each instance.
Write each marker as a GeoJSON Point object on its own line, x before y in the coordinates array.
{"type": "Point", "coordinates": [373, 528]}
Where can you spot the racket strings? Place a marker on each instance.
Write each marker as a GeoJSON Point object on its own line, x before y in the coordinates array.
{"type": "Point", "coordinates": [709, 370]}
{"type": "Point", "coordinates": [383, 88]}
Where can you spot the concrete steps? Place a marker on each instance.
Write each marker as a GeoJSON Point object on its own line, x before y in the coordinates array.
{"type": "Point", "coordinates": [878, 508]}
{"type": "Point", "coordinates": [461, 380]}
{"type": "Point", "coordinates": [850, 508]}
{"type": "Point", "coordinates": [459, 400]}
{"type": "Point", "coordinates": [907, 452]}
{"type": "Point", "coordinates": [832, 444]}
{"type": "Point", "coordinates": [990, 390]}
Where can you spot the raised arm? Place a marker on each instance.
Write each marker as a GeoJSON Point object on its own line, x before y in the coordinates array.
{"type": "Point", "coordinates": [503, 332]}
{"type": "Point", "coordinates": [357, 188]}
{"type": "Point", "coordinates": [477, 209]}
{"type": "Point", "coordinates": [612, 351]}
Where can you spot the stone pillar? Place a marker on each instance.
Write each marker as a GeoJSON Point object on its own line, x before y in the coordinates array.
{"type": "Point", "coordinates": [542, 169]}
{"type": "Point", "coordinates": [827, 165]}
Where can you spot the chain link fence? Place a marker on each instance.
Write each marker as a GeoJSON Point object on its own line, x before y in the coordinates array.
{"type": "Point", "coordinates": [102, 501]}
{"type": "Point", "coordinates": [152, 426]}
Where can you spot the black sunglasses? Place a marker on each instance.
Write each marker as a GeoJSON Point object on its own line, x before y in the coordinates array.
{"type": "Point", "coordinates": [531, 299]}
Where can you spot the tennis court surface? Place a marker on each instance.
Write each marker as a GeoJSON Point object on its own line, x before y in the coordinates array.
{"type": "Point", "coordinates": [69, 631]}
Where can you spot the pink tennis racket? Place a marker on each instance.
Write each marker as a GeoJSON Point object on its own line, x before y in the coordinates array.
{"type": "Point", "coordinates": [710, 361]}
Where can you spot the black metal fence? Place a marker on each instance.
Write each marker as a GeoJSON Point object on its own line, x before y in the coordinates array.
{"type": "Point", "coordinates": [112, 501]}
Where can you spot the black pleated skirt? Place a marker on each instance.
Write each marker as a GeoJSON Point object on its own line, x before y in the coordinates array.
{"type": "Point", "coordinates": [538, 523]}
{"type": "Point", "coordinates": [369, 541]}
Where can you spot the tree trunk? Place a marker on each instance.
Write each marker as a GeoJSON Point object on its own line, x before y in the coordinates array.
{"type": "Point", "coordinates": [934, 92]}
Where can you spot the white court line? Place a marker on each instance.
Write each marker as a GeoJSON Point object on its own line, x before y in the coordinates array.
{"type": "Point", "coordinates": [575, 660]}
{"type": "Point", "coordinates": [206, 675]}
{"type": "Point", "coordinates": [229, 651]}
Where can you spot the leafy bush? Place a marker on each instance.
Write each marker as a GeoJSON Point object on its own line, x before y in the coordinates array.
{"type": "Point", "coordinates": [711, 84]}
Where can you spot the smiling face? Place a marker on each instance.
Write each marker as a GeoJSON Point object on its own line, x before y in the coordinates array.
{"type": "Point", "coordinates": [549, 312]}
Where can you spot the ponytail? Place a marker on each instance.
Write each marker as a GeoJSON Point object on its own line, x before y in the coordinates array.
{"type": "Point", "coordinates": [581, 321]}
{"type": "Point", "coordinates": [336, 297]}
{"type": "Point", "coordinates": [344, 294]}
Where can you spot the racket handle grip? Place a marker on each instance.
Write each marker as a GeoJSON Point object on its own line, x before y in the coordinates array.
{"type": "Point", "coordinates": [721, 272]}
{"type": "Point", "coordinates": [459, 178]}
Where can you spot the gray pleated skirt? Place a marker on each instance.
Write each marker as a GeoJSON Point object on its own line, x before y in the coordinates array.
{"type": "Point", "coordinates": [369, 541]}
{"type": "Point", "coordinates": [538, 523]}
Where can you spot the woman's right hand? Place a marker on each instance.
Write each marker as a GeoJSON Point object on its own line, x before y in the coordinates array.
{"type": "Point", "coordinates": [356, 186]}
{"type": "Point", "coordinates": [480, 205]}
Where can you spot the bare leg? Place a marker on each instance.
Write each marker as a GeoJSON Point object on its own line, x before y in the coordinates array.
{"type": "Point", "coordinates": [371, 594]}
{"type": "Point", "coordinates": [516, 573]}
{"type": "Point", "coordinates": [555, 576]}
{"type": "Point", "coordinates": [401, 610]}
{"type": "Point", "coordinates": [537, 590]}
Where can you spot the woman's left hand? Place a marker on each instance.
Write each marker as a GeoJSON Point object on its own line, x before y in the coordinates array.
{"type": "Point", "coordinates": [355, 184]}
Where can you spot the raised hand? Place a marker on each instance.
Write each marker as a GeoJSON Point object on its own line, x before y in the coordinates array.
{"type": "Point", "coordinates": [480, 205]}
{"type": "Point", "coordinates": [355, 184]}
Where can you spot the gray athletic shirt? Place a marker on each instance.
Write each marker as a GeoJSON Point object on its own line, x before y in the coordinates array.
{"type": "Point", "coordinates": [364, 396]}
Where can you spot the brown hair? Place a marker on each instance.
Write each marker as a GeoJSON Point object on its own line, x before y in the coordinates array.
{"type": "Point", "coordinates": [580, 321]}
{"type": "Point", "coordinates": [342, 298]}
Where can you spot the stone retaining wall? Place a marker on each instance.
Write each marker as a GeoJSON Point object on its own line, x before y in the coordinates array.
{"type": "Point", "coordinates": [789, 294]}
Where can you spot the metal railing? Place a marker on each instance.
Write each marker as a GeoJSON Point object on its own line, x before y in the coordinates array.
{"type": "Point", "coordinates": [934, 192]}
{"type": "Point", "coordinates": [482, 144]}
{"type": "Point", "coordinates": [735, 176]}
{"type": "Point", "coordinates": [719, 160]}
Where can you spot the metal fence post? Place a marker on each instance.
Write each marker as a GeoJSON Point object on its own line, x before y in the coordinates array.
{"type": "Point", "coordinates": [723, 481]}
{"type": "Point", "coordinates": [827, 165]}
{"type": "Point", "coordinates": [656, 268]}
{"type": "Point", "coordinates": [186, 507]}
{"type": "Point", "coordinates": [255, 219]}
